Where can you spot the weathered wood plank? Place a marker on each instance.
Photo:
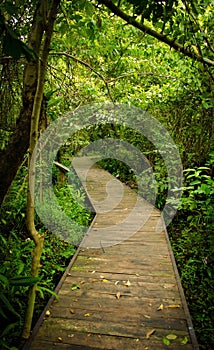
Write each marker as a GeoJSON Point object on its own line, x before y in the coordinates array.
{"type": "Point", "coordinates": [61, 327]}
{"type": "Point", "coordinates": [96, 341]}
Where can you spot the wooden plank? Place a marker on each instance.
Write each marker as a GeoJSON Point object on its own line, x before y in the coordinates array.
{"type": "Point", "coordinates": [78, 340]}
{"type": "Point", "coordinates": [61, 327]}
{"type": "Point", "coordinates": [146, 308]}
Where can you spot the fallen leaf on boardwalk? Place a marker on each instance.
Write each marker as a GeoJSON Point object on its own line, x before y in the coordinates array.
{"type": "Point", "coordinates": [70, 335]}
{"type": "Point", "coordinates": [118, 295]}
{"type": "Point", "coordinates": [87, 314]}
{"type": "Point", "coordinates": [93, 271]}
{"type": "Point", "coordinates": [59, 339]}
{"type": "Point", "coordinates": [171, 336]}
{"type": "Point", "coordinates": [128, 284]}
{"type": "Point", "coordinates": [47, 313]}
{"type": "Point", "coordinates": [174, 306]}
{"type": "Point", "coordinates": [99, 336]}
{"type": "Point", "coordinates": [137, 340]}
{"type": "Point", "coordinates": [169, 286]}
{"type": "Point", "coordinates": [166, 341]}
{"type": "Point", "coordinates": [72, 311]}
{"type": "Point", "coordinates": [137, 274]}
{"type": "Point", "coordinates": [101, 276]}
{"type": "Point", "coordinates": [185, 340]}
{"type": "Point", "coordinates": [105, 280]}
{"type": "Point", "coordinates": [149, 333]}
{"type": "Point", "coordinates": [116, 283]}
{"type": "Point", "coordinates": [147, 316]}
{"type": "Point", "coordinates": [82, 282]}
{"type": "Point", "coordinates": [160, 307]}
{"type": "Point", "coordinates": [75, 287]}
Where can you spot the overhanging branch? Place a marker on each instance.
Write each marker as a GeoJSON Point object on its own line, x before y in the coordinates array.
{"type": "Point", "coordinates": [85, 64]}
{"type": "Point", "coordinates": [161, 37]}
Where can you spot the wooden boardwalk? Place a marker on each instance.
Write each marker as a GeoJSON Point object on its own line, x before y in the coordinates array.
{"type": "Point", "coordinates": [122, 289]}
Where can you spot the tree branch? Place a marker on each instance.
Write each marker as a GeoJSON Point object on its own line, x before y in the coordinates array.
{"type": "Point", "coordinates": [87, 66]}
{"type": "Point", "coordinates": [161, 37]}
{"type": "Point", "coordinates": [127, 75]}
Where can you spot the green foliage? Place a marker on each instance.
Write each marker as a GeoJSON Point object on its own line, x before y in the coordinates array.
{"type": "Point", "coordinates": [15, 256]}
{"type": "Point", "coordinates": [193, 244]}
{"type": "Point", "coordinates": [11, 43]}
{"type": "Point", "coordinates": [154, 10]}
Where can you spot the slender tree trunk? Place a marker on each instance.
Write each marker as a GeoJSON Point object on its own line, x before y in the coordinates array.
{"type": "Point", "coordinates": [37, 238]}
{"type": "Point", "coordinates": [11, 158]}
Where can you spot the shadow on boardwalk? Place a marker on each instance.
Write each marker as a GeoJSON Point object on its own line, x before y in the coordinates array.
{"type": "Point", "coordinates": [124, 292]}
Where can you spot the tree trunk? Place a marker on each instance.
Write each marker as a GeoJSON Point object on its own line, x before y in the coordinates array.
{"type": "Point", "coordinates": [11, 158]}
{"type": "Point", "coordinates": [37, 105]}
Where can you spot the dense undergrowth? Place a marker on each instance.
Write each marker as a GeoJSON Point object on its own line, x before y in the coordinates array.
{"type": "Point", "coordinates": [192, 241]}
{"type": "Point", "coordinates": [15, 256]}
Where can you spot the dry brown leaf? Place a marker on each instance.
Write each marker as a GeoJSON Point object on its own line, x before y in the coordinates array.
{"type": "Point", "coordinates": [72, 311]}
{"type": "Point", "coordinates": [160, 308]}
{"type": "Point", "coordinates": [118, 295]}
{"type": "Point", "coordinates": [116, 283]}
{"type": "Point", "coordinates": [174, 306]}
{"type": "Point", "coordinates": [149, 333]}
{"type": "Point", "coordinates": [82, 282]}
{"type": "Point", "coordinates": [101, 276]}
{"type": "Point", "coordinates": [147, 316]}
{"type": "Point", "coordinates": [47, 313]}
{"type": "Point", "coordinates": [171, 336]}
{"type": "Point", "coordinates": [70, 335]}
{"type": "Point", "coordinates": [94, 280]}
{"type": "Point", "coordinates": [87, 314]}
{"type": "Point", "coordinates": [128, 284]}
{"type": "Point", "coordinates": [93, 271]}
{"type": "Point", "coordinates": [59, 339]}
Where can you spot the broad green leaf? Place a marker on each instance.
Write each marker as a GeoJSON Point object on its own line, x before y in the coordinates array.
{"type": "Point", "coordinates": [8, 305]}
{"type": "Point", "coordinates": [75, 287]}
{"type": "Point", "coordinates": [4, 280]}
{"type": "Point", "coordinates": [185, 340]}
{"type": "Point", "coordinates": [9, 328]}
{"type": "Point", "coordinates": [45, 289]}
{"type": "Point", "coordinates": [24, 281]}
{"type": "Point", "coordinates": [166, 341]}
